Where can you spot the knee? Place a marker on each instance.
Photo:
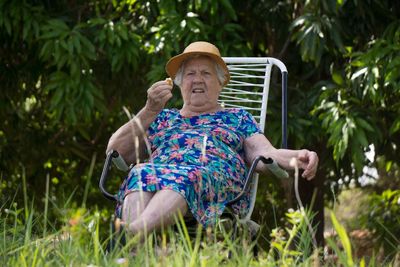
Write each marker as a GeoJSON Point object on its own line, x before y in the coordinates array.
{"type": "Point", "coordinates": [128, 202]}
{"type": "Point", "coordinates": [129, 199]}
{"type": "Point", "coordinates": [130, 208]}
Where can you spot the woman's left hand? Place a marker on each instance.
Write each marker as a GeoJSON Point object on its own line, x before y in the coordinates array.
{"type": "Point", "coordinates": [308, 161]}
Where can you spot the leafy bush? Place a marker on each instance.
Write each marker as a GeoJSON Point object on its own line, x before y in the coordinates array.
{"type": "Point", "coordinates": [383, 218]}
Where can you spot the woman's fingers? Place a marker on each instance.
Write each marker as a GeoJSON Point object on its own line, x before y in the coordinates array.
{"type": "Point", "coordinates": [309, 163]}
{"type": "Point", "coordinates": [158, 88]}
{"type": "Point", "coordinates": [158, 95]}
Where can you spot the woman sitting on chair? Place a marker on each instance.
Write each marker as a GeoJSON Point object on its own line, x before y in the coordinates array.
{"type": "Point", "coordinates": [198, 153]}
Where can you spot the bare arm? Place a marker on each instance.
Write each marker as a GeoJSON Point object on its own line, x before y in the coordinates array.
{"type": "Point", "coordinates": [123, 140]}
{"type": "Point", "coordinates": [258, 144]}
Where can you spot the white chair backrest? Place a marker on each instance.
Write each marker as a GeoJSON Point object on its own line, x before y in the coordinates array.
{"type": "Point", "coordinates": [248, 88]}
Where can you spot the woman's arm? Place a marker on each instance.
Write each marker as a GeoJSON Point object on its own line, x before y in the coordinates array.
{"type": "Point", "coordinates": [258, 144]}
{"type": "Point", "coordinates": [123, 140]}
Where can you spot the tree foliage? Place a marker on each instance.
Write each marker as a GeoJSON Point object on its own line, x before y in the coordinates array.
{"type": "Point", "coordinates": [68, 67]}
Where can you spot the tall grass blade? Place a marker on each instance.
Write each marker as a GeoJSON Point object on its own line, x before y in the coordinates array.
{"type": "Point", "coordinates": [46, 205]}
{"type": "Point", "coordinates": [96, 242]}
{"type": "Point", "coordinates": [89, 178]}
{"type": "Point", "coordinates": [195, 252]}
{"type": "Point", "coordinates": [28, 226]}
{"type": "Point", "coordinates": [344, 238]}
{"type": "Point", "coordinates": [182, 228]}
{"type": "Point", "coordinates": [25, 193]}
{"type": "Point", "coordinates": [390, 233]}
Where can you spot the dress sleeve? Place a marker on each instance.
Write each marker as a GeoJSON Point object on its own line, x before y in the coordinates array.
{"type": "Point", "coordinates": [248, 125]}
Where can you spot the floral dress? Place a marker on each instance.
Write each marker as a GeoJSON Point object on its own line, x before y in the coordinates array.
{"type": "Point", "coordinates": [199, 157]}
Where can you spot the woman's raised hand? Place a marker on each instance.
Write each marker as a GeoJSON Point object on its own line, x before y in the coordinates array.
{"type": "Point", "coordinates": [158, 95]}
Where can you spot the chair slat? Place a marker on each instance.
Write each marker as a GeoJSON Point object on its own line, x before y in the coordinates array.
{"type": "Point", "coordinates": [232, 91]}
{"type": "Point", "coordinates": [235, 70]}
{"type": "Point", "coordinates": [240, 106]}
{"type": "Point", "coordinates": [238, 99]}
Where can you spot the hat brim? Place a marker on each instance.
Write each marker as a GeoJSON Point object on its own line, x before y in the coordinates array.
{"type": "Point", "coordinates": [175, 62]}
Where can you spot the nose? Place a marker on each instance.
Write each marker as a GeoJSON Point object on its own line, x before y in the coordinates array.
{"type": "Point", "coordinates": [197, 78]}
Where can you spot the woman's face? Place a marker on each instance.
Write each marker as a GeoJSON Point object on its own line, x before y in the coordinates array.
{"type": "Point", "coordinates": [200, 86]}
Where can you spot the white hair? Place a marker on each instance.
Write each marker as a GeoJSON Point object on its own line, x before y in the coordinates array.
{"type": "Point", "coordinates": [219, 70]}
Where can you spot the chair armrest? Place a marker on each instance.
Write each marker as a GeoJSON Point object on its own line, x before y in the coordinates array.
{"type": "Point", "coordinates": [249, 177]}
{"type": "Point", "coordinates": [272, 166]}
{"type": "Point", "coordinates": [112, 157]}
{"type": "Point", "coordinates": [277, 170]}
{"type": "Point", "coordinates": [120, 163]}
{"type": "Point", "coordinates": [107, 165]}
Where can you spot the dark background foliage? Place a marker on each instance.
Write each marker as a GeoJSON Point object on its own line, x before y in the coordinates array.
{"type": "Point", "coordinates": [67, 69]}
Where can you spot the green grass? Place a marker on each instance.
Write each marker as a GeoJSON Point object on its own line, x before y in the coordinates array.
{"type": "Point", "coordinates": [82, 235]}
{"type": "Point", "coordinates": [71, 235]}
{"type": "Point", "coordinates": [80, 242]}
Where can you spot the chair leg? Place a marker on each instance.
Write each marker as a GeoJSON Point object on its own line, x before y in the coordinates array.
{"type": "Point", "coordinates": [235, 229]}
{"type": "Point", "coordinates": [255, 248]}
{"type": "Point", "coordinates": [252, 234]}
{"type": "Point", "coordinates": [233, 236]}
{"type": "Point", "coordinates": [117, 235]}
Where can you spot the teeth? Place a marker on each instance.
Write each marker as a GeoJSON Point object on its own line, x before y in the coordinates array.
{"type": "Point", "coordinates": [198, 91]}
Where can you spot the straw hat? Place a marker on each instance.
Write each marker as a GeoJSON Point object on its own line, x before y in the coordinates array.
{"type": "Point", "coordinates": [197, 48]}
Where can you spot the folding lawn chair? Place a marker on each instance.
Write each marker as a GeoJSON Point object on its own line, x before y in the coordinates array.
{"type": "Point", "coordinates": [248, 89]}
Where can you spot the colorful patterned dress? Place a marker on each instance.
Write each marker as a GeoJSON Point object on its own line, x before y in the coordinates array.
{"type": "Point", "coordinates": [200, 157]}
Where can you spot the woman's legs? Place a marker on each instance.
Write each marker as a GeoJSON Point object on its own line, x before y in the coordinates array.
{"type": "Point", "coordinates": [161, 210]}
{"type": "Point", "coordinates": [134, 204]}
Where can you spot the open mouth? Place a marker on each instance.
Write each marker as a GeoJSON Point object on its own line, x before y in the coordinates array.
{"type": "Point", "coordinates": [197, 91]}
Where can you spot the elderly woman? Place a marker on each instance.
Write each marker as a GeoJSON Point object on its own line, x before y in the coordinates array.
{"type": "Point", "coordinates": [199, 154]}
